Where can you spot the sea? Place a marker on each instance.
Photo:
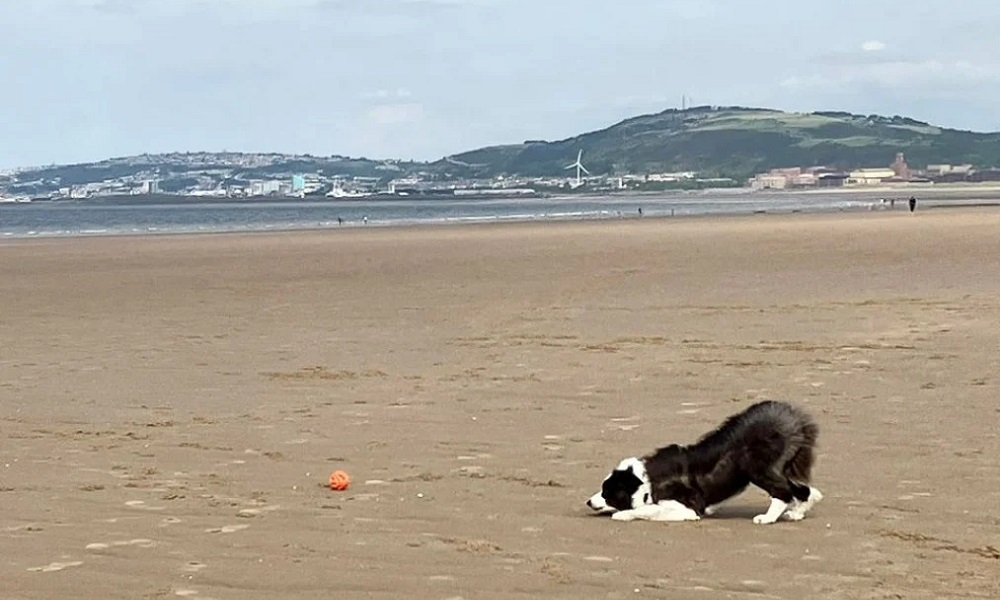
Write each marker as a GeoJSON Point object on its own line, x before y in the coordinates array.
{"type": "Point", "coordinates": [88, 218]}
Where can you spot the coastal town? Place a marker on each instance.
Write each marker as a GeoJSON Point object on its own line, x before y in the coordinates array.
{"type": "Point", "coordinates": [898, 173]}
{"type": "Point", "coordinates": [248, 176]}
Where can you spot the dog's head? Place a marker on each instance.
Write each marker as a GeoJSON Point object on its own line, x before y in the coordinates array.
{"type": "Point", "coordinates": [625, 488]}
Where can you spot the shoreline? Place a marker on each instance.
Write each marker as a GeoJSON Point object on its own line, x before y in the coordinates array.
{"type": "Point", "coordinates": [500, 221]}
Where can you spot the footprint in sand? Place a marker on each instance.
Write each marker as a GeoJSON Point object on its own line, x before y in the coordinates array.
{"type": "Point", "coordinates": [56, 566]}
{"type": "Point", "coordinates": [140, 542]}
{"type": "Point", "coordinates": [184, 593]}
{"type": "Point", "coordinates": [141, 505]}
{"type": "Point", "coordinates": [29, 528]}
{"type": "Point", "coordinates": [227, 529]}
{"type": "Point", "coordinates": [248, 513]}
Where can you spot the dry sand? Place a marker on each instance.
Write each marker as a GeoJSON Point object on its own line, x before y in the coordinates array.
{"type": "Point", "coordinates": [171, 407]}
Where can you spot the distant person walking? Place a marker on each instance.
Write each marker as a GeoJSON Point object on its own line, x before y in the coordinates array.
{"type": "Point", "coordinates": [892, 203]}
{"type": "Point", "coordinates": [640, 211]}
{"type": "Point", "coordinates": [913, 203]}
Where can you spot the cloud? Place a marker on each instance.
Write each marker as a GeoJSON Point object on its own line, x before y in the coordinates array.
{"type": "Point", "coordinates": [424, 78]}
{"type": "Point", "coordinates": [385, 94]}
{"type": "Point", "coordinates": [901, 74]}
{"type": "Point", "coordinates": [451, 2]}
{"type": "Point", "coordinates": [385, 115]}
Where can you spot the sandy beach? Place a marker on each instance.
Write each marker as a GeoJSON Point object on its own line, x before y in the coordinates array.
{"type": "Point", "coordinates": [172, 407]}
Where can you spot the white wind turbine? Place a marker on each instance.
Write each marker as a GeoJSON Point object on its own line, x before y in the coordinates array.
{"type": "Point", "coordinates": [579, 167]}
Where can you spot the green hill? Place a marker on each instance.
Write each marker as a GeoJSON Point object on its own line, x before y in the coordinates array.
{"type": "Point", "coordinates": [733, 142]}
{"type": "Point", "coordinates": [738, 142]}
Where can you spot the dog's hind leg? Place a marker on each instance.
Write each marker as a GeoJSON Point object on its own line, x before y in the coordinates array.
{"type": "Point", "coordinates": [799, 472]}
{"type": "Point", "coordinates": [780, 490]}
{"type": "Point", "coordinates": [774, 512]}
{"type": "Point", "coordinates": [800, 506]}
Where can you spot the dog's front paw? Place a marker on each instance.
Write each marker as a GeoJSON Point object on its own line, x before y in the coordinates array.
{"type": "Point", "coordinates": [763, 520]}
{"type": "Point", "coordinates": [623, 515]}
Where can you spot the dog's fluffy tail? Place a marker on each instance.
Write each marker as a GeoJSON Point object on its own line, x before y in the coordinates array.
{"type": "Point", "coordinates": [799, 468]}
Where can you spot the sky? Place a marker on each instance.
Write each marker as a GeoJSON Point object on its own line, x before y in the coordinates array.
{"type": "Point", "coordinates": [84, 80]}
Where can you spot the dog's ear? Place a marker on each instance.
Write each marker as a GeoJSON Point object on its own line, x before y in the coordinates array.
{"type": "Point", "coordinates": [628, 465]}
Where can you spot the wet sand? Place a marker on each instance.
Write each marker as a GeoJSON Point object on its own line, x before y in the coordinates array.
{"type": "Point", "coordinates": [172, 406]}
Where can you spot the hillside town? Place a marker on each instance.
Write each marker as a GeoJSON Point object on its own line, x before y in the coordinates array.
{"type": "Point", "coordinates": [261, 176]}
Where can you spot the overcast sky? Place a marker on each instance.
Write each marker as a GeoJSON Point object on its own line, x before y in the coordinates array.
{"type": "Point", "coordinates": [84, 80]}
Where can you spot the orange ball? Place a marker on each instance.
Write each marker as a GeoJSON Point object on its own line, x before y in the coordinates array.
{"type": "Point", "coordinates": [339, 480]}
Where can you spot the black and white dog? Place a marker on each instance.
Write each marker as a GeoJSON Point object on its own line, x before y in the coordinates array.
{"type": "Point", "coordinates": [770, 444]}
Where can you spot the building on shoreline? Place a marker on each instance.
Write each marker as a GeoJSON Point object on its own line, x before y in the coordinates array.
{"type": "Point", "coordinates": [796, 178]}
{"type": "Point", "coordinates": [870, 176]}
{"type": "Point", "coordinates": [899, 172]}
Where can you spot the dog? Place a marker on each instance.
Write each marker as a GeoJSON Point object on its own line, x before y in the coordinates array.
{"type": "Point", "coordinates": [771, 445]}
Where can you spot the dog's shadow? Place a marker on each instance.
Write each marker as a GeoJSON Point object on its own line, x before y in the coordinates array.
{"type": "Point", "coordinates": [737, 511]}
{"type": "Point", "coordinates": [724, 513]}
